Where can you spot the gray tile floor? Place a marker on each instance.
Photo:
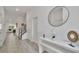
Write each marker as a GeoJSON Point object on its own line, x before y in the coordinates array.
{"type": "Point", "coordinates": [13, 45]}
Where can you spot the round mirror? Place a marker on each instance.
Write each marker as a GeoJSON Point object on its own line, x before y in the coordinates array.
{"type": "Point", "coordinates": [58, 16]}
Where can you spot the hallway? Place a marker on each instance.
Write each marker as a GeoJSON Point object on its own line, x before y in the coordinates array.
{"type": "Point", "coordinates": [13, 45]}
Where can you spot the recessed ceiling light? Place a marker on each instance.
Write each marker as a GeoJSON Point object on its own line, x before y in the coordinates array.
{"type": "Point", "coordinates": [17, 9]}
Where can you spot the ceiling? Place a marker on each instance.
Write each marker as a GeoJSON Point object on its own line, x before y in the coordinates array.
{"type": "Point", "coordinates": [15, 10]}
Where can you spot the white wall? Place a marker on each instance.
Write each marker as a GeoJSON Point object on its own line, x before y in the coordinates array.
{"type": "Point", "coordinates": [45, 28]}
{"type": "Point", "coordinates": [60, 32]}
{"type": "Point", "coordinates": [3, 30]}
{"type": "Point", "coordinates": [31, 28]}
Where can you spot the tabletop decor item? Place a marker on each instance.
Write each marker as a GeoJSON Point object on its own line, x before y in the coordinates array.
{"type": "Point", "coordinates": [73, 36]}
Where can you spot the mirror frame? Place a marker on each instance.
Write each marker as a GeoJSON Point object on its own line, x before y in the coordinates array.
{"type": "Point", "coordinates": [61, 23]}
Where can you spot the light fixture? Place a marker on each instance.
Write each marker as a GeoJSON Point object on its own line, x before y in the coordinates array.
{"type": "Point", "coordinates": [17, 9]}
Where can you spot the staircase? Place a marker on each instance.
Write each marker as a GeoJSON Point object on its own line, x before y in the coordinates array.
{"type": "Point", "coordinates": [22, 31]}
